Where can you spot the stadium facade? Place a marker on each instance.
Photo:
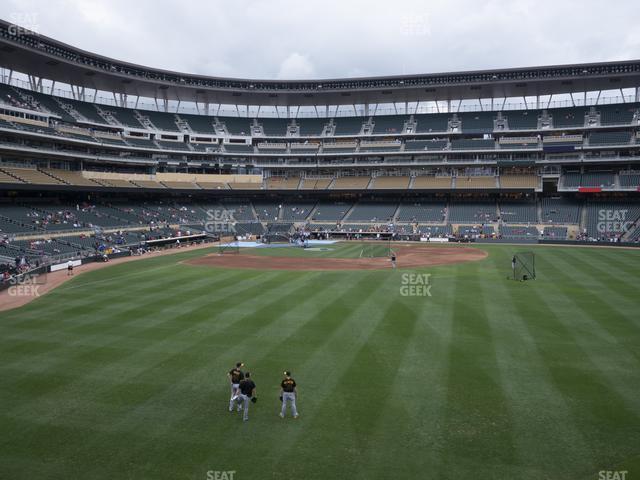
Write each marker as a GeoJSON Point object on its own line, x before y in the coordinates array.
{"type": "Point", "coordinates": [89, 141]}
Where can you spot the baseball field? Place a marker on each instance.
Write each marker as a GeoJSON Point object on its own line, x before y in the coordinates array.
{"type": "Point", "coordinates": [448, 371]}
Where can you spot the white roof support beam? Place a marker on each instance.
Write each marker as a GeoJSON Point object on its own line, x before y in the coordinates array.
{"type": "Point", "coordinates": [9, 76]}
{"type": "Point", "coordinates": [35, 83]}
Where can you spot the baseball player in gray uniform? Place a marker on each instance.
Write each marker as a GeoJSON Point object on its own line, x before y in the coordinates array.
{"type": "Point", "coordinates": [235, 377]}
{"type": "Point", "coordinates": [246, 394]}
{"type": "Point", "coordinates": [288, 393]}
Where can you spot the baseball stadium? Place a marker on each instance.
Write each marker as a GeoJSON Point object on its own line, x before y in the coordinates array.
{"type": "Point", "coordinates": [446, 263]}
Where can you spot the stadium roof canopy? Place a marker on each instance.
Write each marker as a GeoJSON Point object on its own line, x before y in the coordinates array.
{"type": "Point", "coordinates": [39, 56]}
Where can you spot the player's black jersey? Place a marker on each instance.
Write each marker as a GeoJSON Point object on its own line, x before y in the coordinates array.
{"type": "Point", "coordinates": [247, 386]}
{"type": "Point", "coordinates": [288, 385]}
{"type": "Point", "coordinates": [236, 375]}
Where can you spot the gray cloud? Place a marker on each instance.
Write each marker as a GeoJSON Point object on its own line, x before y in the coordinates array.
{"type": "Point", "coordinates": [293, 39]}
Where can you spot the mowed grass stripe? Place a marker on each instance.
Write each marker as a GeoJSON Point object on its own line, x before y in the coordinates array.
{"type": "Point", "coordinates": [479, 424]}
{"type": "Point", "coordinates": [412, 419]}
{"type": "Point", "coordinates": [160, 412]}
{"type": "Point", "coordinates": [616, 289]}
{"type": "Point", "coordinates": [325, 410]}
{"type": "Point", "coordinates": [542, 431]}
{"type": "Point", "coordinates": [601, 315]}
{"type": "Point", "coordinates": [129, 362]}
{"type": "Point", "coordinates": [295, 328]}
{"type": "Point", "coordinates": [76, 405]}
{"type": "Point", "coordinates": [213, 364]}
{"type": "Point", "coordinates": [148, 389]}
{"type": "Point", "coordinates": [90, 308]}
{"type": "Point", "coordinates": [617, 260]}
{"type": "Point", "coordinates": [214, 376]}
{"type": "Point", "coordinates": [617, 360]}
{"type": "Point", "coordinates": [95, 331]}
{"type": "Point", "coordinates": [584, 387]}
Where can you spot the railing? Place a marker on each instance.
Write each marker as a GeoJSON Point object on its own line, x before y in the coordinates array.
{"type": "Point", "coordinates": [346, 111]}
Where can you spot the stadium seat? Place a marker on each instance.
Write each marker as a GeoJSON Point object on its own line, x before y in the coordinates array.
{"type": "Point", "coordinates": [397, 183]}
{"type": "Point", "coordinates": [316, 184]}
{"type": "Point", "coordinates": [388, 124]}
{"type": "Point", "coordinates": [348, 125]}
{"type": "Point", "coordinates": [351, 183]}
{"type": "Point", "coordinates": [475, 183]}
{"type": "Point", "coordinates": [431, 182]}
{"type": "Point", "coordinates": [275, 183]}
{"type": "Point", "coordinates": [28, 175]}
{"type": "Point", "coordinates": [519, 181]}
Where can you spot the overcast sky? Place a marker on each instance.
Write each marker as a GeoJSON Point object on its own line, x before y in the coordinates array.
{"type": "Point", "coordinates": [337, 38]}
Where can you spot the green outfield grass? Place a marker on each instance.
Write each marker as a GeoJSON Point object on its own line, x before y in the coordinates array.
{"type": "Point", "coordinates": [121, 373]}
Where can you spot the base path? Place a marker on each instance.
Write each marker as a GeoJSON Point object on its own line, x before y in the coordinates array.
{"type": "Point", "coordinates": [408, 256]}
